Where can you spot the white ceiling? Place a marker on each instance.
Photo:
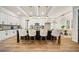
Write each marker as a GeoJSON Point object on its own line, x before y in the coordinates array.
{"type": "Point", "coordinates": [39, 11]}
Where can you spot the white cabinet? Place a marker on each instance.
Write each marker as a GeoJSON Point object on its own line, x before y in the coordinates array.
{"type": "Point", "coordinates": [4, 20]}
{"type": "Point", "coordinates": [18, 21]}
{"type": "Point", "coordinates": [10, 33]}
{"type": "Point", "coordinates": [2, 35]}
{"type": "Point", "coordinates": [11, 20]}
{"type": "Point", "coordinates": [0, 19]}
{"type": "Point", "coordinates": [7, 20]}
{"type": "Point", "coordinates": [14, 21]}
{"type": "Point", "coordinates": [7, 34]}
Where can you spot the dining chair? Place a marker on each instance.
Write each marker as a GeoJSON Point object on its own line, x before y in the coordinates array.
{"type": "Point", "coordinates": [32, 34]}
{"type": "Point", "coordinates": [69, 32]}
{"type": "Point", "coordinates": [43, 33]}
{"type": "Point", "coordinates": [55, 34]}
{"type": "Point", "coordinates": [22, 34]}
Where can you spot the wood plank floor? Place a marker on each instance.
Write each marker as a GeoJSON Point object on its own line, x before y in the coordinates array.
{"type": "Point", "coordinates": [10, 45]}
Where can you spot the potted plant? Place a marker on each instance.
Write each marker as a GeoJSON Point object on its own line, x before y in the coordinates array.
{"type": "Point", "coordinates": [63, 26]}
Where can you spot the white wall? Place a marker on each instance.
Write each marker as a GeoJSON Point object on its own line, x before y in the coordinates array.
{"type": "Point", "coordinates": [63, 19]}
{"type": "Point", "coordinates": [75, 24]}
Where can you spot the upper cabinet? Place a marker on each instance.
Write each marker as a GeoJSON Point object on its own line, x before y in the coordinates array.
{"type": "Point", "coordinates": [1, 18]}
{"type": "Point", "coordinates": [8, 19]}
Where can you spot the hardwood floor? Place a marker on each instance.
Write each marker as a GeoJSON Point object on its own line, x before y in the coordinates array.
{"type": "Point", "coordinates": [10, 45]}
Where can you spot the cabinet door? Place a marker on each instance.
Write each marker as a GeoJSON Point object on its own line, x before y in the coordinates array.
{"type": "Point", "coordinates": [18, 21]}
{"type": "Point", "coordinates": [2, 35]}
{"type": "Point", "coordinates": [15, 21]}
{"type": "Point", "coordinates": [0, 19]}
{"type": "Point", "coordinates": [8, 22]}
{"type": "Point", "coordinates": [8, 34]}
{"type": "Point", "coordinates": [4, 18]}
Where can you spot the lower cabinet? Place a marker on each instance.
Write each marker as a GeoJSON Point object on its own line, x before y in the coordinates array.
{"type": "Point", "coordinates": [2, 35]}
{"type": "Point", "coordinates": [7, 34]}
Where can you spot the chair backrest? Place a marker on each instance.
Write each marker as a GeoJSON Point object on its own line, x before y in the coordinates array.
{"type": "Point", "coordinates": [43, 32]}
{"type": "Point", "coordinates": [55, 32]}
{"type": "Point", "coordinates": [22, 32]}
{"type": "Point", "coordinates": [69, 32]}
{"type": "Point", "coordinates": [32, 32]}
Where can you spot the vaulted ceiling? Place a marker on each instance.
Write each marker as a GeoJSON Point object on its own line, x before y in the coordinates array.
{"type": "Point", "coordinates": [39, 11]}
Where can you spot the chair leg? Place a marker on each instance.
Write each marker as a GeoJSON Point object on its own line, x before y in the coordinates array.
{"type": "Point", "coordinates": [41, 40]}
{"type": "Point", "coordinates": [29, 39]}
{"type": "Point", "coordinates": [46, 40]}
{"type": "Point", "coordinates": [34, 39]}
{"type": "Point", "coordinates": [25, 38]}
{"type": "Point", "coordinates": [51, 37]}
{"type": "Point", "coordinates": [59, 40]}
